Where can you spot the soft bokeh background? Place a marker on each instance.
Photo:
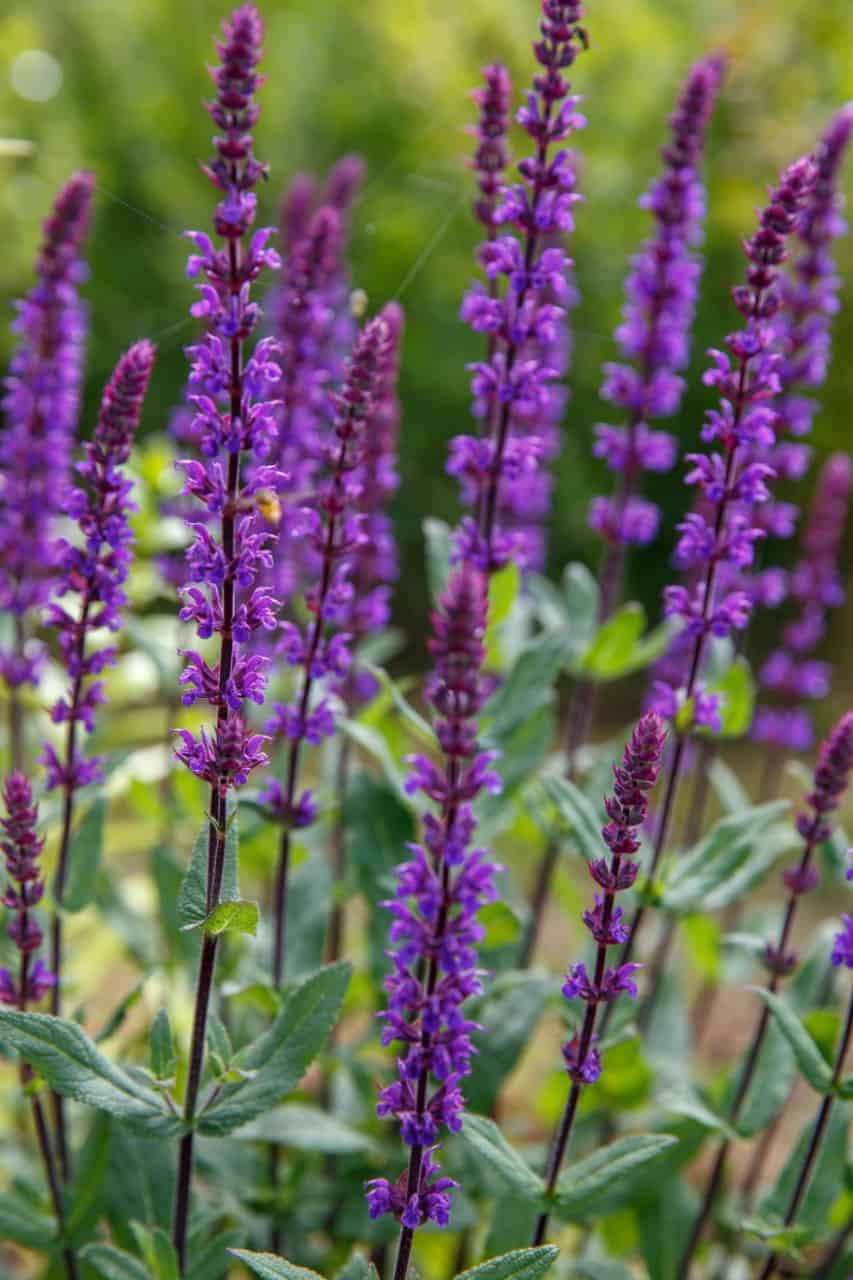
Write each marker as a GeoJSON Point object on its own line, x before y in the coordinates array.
{"type": "Point", "coordinates": [122, 93]}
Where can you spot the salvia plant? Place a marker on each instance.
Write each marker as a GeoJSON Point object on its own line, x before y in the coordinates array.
{"type": "Point", "coordinates": [357, 1012]}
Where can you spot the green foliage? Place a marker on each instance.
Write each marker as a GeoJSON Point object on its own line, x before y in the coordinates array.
{"type": "Point", "coordinates": [277, 1060]}
{"type": "Point", "coordinates": [192, 897]}
{"type": "Point", "coordinates": [502, 1160]}
{"type": "Point", "coordinates": [728, 861]}
{"type": "Point", "coordinates": [84, 856]}
{"type": "Point", "coordinates": [72, 1065]}
{"type": "Point", "coordinates": [270, 1267]}
{"type": "Point", "coordinates": [610, 1178]}
{"type": "Point", "coordinates": [520, 1264]}
{"type": "Point", "coordinates": [812, 1064]}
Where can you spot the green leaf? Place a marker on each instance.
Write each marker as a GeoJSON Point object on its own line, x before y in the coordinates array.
{"type": "Point", "coordinates": [439, 545]}
{"type": "Point", "coordinates": [825, 1181]}
{"type": "Point", "coordinates": [218, 1038]}
{"type": "Point", "coordinates": [84, 1199]}
{"type": "Point", "coordinates": [809, 1058]}
{"type": "Point", "coordinates": [165, 1257]}
{"type": "Point", "coordinates": [508, 1012]}
{"type": "Point", "coordinates": [502, 926]}
{"type": "Point", "coordinates": [503, 1160]}
{"type": "Point", "coordinates": [727, 786]}
{"type": "Point", "coordinates": [269, 1266]}
{"type": "Point", "coordinates": [737, 688]}
{"type": "Point", "coordinates": [192, 896]}
{"type": "Point", "coordinates": [728, 860]}
{"type": "Point", "coordinates": [519, 1264]}
{"type": "Point", "coordinates": [771, 1084]}
{"type": "Point", "coordinates": [113, 1263]}
{"type": "Point", "coordinates": [578, 811]}
{"type": "Point", "coordinates": [162, 1049]}
{"type": "Point", "coordinates": [694, 1109]}
{"type": "Point", "coordinates": [421, 728]}
{"type": "Point", "coordinates": [580, 590]}
{"type": "Point", "coordinates": [528, 686]}
{"type": "Point", "coordinates": [504, 589]}
{"type": "Point", "coordinates": [307, 1128]}
{"type": "Point", "coordinates": [84, 857]}
{"type": "Point", "coordinates": [308, 900]}
{"type": "Point", "coordinates": [371, 740]}
{"type": "Point", "coordinates": [610, 1177]}
{"type": "Point", "coordinates": [117, 1017]}
{"type": "Point", "coordinates": [209, 1260]}
{"type": "Point", "coordinates": [281, 1055]}
{"type": "Point", "coordinates": [610, 652]}
{"type": "Point", "coordinates": [358, 1268]}
{"type": "Point", "coordinates": [233, 917]}
{"type": "Point", "coordinates": [22, 1223]}
{"type": "Point", "coordinates": [63, 1053]}
{"type": "Point", "coordinates": [702, 935]}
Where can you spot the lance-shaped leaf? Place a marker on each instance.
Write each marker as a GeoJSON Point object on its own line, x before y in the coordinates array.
{"type": "Point", "coordinates": [277, 1060]}
{"type": "Point", "coordinates": [503, 1160]}
{"type": "Point", "coordinates": [84, 857]}
{"type": "Point", "coordinates": [578, 811]}
{"type": "Point", "coordinates": [728, 860]}
{"type": "Point", "coordinates": [518, 1264]}
{"type": "Point", "coordinates": [610, 1177]}
{"type": "Point", "coordinates": [809, 1058]}
{"type": "Point", "coordinates": [192, 896]}
{"type": "Point", "coordinates": [113, 1263]}
{"type": "Point", "coordinates": [269, 1266]}
{"type": "Point", "coordinates": [72, 1065]}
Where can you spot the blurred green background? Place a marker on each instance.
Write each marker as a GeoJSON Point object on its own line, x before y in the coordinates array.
{"type": "Point", "coordinates": [391, 80]}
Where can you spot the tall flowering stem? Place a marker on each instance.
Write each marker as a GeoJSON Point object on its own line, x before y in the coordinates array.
{"type": "Point", "coordinates": [814, 824]}
{"type": "Point", "coordinates": [501, 470]}
{"type": "Point", "coordinates": [22, 846]}
{"type": "Point", "coordinates": [375, 568]}
{"type": "Point", "coordinates": [434, 930]}
{"type": "Point", "coordinates": [234, 423]}
{"type": "Point", "coordinates": [335, 529]}
{"type": "Point", "coordinates": [626, 811]}
{"type": "Point", "coordinates": [731, 487]}
{"type": "Point", "coordinates": [654, 340]}
{"type": "Point", "coordinates": [842, 954]}
{"type": "Point", "coordinates": [92, 573]}
{"type": "Point", "coordinates": [41, 403]}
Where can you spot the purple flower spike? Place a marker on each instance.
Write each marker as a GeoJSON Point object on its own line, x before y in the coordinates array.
{"type": "Point", "coordinates": [434, 930]}
{"type": "Point", "coordinates": [791, 675]}
{"type": "Point", "coordinates": [654, 336]}
{"type": "Point", "coordinates": [94, 567]}
{"type": "Point", "coordinates": [803, 340]}
{"type": "Point", "coordinates": [375, 563]}
{"type": "Point", "coordinates": [522, 311]}
{"type": "Point", "coordinates": [722, 532]}
{"type": "Point", "coordinates": [41, 402]}
{"type": "Point", "coordinates": [22, 846]}
{"type": "Point", "coordinates": [233, 421]}
{"type": "Point", "coordinates": [626, 811]}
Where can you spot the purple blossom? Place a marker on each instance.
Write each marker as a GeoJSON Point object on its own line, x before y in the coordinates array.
{"type": "Point", "coordinates": [790, 675]}
{"type": "Point", "coordinates": [22, 847]}
{"type": "Point", "coordinates": [626, 811]}
{"type": "Point", "coordinates": [523, 313]}
{"type": "Point", "coordinates": [94, 567]}
{"type": "Point", "coordinates": [842, 945]}
{"type": "Point", "coordinates": [233, 419]}
{"type": "Point", "coordinates": [831, 779]}
{"type": "Point", "coordinates": [721, 530]}
{"type": "Point", "coordinates": [434, 931]}
{"type": "Point", "coordinates": [41, 402]}
{"type": "Point", "coordinates": [654, 336]}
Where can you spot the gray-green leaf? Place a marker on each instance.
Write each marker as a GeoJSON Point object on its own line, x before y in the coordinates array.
{"type": "Point", "coordinates": [84, 857]}
{"type": "Point", "coordinates": [610, 1177]}
{"type": "Point", "coordinates": [278, 1058]}
{"type": "Point", "coordinates": [727, 861]}
{"type": "Point", "coordinates": [307, 1128]}
{"type": "Point", "coordinates": [504, 1161]}
{"type": "Point", "coordinates": [518, 1264]}
{"type": "Point", "coordinates": [269, 1266]}
{"type": "Point", "coordinates": [113, 1263]}
{"type": "Point", "coordinates": [578, 811]}
{"type": "Point", "coordinates": [192, 896]}
{"type": "Point", "coordinates": [63, 1053]}
{"type": "Point", "coordinates": [809, 1058]}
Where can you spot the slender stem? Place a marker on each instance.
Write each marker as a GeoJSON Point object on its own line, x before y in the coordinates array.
{"type": "Point", "coordinates": [564, 1129]}
{"type": "Point", "coordinates": [746, 1077]}
{"type": "Point", "coordinates": [218, 801]}
{"type": "Point", "coordinates": [821, 1121]}
{"type": "Point", "coordinates": [336, 920]}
